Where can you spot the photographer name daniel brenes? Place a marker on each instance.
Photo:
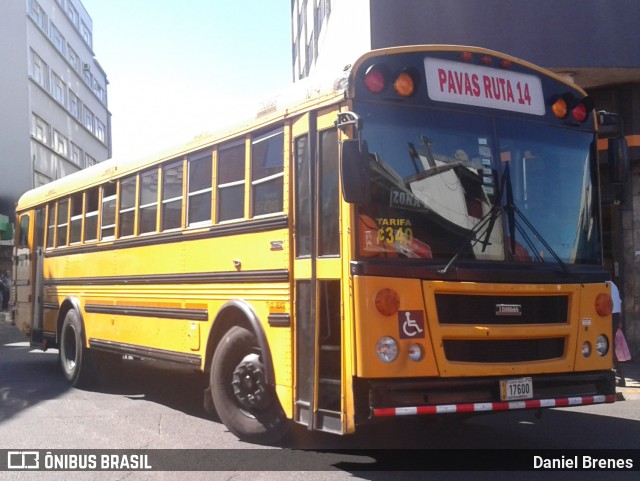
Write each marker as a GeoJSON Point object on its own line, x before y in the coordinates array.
{"type": "Point", "coordinates": [581, 462]}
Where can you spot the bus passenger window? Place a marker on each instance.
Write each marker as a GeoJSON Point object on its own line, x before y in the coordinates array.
{"type": "Point", "coordinates": [148, 201]}
{"type": "Point", "coordinates": [267, 160]}
{"type": "Point", "coordinates": [51, 225]}
{"type": "Point", "coordinates": [63, 220]}
{"type": "Point", "coordinates": [231, 182]}
{"type": "Point", "coordinates": [91, 215]}
{"type": "Point", "coordinates": [127, 206]}
{"type": "Point", "coordinates": [199, 188]}
{"type": "Point", "coordinates": [172, 195]}
{"type": "Point", "coordinates": [108, 228]}
{"type": "Point", "coordinates": [75, 235]}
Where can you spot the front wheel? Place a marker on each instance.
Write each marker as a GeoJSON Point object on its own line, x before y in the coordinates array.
{"type": "Point", "coordinates": [74, 356]}
{"type": "Point", "coordinates": [245, 403]}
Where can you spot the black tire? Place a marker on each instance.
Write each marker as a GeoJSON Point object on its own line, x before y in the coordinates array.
{"type": "Point", "coordinates": [74, 356]}
{"type": "Point", "coordinates": [246, 405]}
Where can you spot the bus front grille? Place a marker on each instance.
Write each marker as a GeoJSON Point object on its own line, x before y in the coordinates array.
{"type": "Point", "coordinates": [468, 309]}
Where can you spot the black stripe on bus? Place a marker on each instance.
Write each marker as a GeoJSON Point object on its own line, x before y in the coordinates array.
{"type": "Point", "coordinates": [248, 227]}
{"type": "Point", "coordinates": [162, 312]}
{"type": "Point", "coordinates": [146, 352]}
{"type": "Point", "coordinates": [50, 305]}
{"type": "Point", "coordinates": [279, 320]}
{"type": "Point", "coordinates": [257, 276]}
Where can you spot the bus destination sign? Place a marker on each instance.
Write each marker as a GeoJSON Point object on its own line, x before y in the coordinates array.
{"type": "Point", "coordinates": [468, 84]}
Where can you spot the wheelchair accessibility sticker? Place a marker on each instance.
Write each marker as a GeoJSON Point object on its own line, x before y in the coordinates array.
{"type": "Point", "coordinates": [411, 324]}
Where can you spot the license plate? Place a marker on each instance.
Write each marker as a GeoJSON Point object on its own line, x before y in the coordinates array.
{"type": "Point", "coordinates": [512, 389]}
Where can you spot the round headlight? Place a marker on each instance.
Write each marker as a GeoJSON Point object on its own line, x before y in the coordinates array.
{"type": "Point", "coordinates": [387, 349]}
{"type": "Point", "coordinates": [586, 349]}
{"type": "Point", "coordinates": [415, 352]}
{"type": "Point", "coordinates": [602, 345]}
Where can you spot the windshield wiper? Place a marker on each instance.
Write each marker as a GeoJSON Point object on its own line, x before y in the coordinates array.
{"type": "Point", "coordinates": [490, 218]}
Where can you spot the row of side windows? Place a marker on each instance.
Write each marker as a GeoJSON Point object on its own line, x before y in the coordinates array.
{"type": "Point", "coordinates": [200, 189]}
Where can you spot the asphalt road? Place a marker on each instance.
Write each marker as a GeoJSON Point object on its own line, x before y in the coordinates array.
{"type": "Point", "coordinates": [153, 406]}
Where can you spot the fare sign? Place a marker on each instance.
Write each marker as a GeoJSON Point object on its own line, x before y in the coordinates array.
{"type": "Point", "coordinates": [467, 84]}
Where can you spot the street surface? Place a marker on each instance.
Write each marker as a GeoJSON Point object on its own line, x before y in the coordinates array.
{"type": "Point", "coordinates": [154, 406]}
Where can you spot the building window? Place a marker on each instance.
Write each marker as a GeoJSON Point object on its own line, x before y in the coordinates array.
{"type": "Point", "coordinates": [72, 13]}
{"type": "Point", "coordinates": [60, 143]}
{"type": "Point", "coordinates": [89, 161]}
{"type": "Point", "coordinates": [59, 89]}
{"type": "Point", "coordinates": [86, 35]}
{"type": "Point", "coordinates": [172, 195]}
{"type": "Point", "coordinates": [88, 119]}
{"type": "Point", "coordinates": [39, 70]}
{"type": "Point", "coordinates": [39, 16]}
{"type": "Point", "coordinates": [148, 201]}
{"type": "Point", "coordinates": [74, 60]}
{"type": "Point", "coordinates": [231, 182]}
{"type": "Point", "coordinates": [76, 154]}
{"type": "Point", "coordinates": [100, 130]}
{"type": "Point", "coordinates": [199, 188]}
{"type": "Point", "coordinates": [57, 39]}
{"type": "Point", "coordinates": [40, 129]}
{"type": "Point", "coordinates": [267, 161]}
{"type": "Point", "coordinates": [74, 105]}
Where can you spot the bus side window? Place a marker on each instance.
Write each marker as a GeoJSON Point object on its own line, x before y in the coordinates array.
{"type": "Point", "coordinates": [231, 182]}
{"type": "Point", "coordinates": [127, 206]}
{"type": "Point", "coordinates": [172, 195]}
{"type": "Point", "coordinates": [23, 238]}
{"type": "Point", "coordinates": [148, 213]}
{"type": "Point", "coordinates": [199, 188]}
{"type": "Point", "coordinates": [63, 222]}
{"type": "Point", "coordinates": [91, 215]}
{"type": "Point", "coordinates": [75, 234]}
{"type": "Point", "coordinates": [267, 174]}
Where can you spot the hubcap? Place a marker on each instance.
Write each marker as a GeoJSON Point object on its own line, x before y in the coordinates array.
{"type": "Point", "coordinates": [249, 385]}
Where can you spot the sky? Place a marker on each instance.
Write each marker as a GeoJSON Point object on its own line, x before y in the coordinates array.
{"type": "Point", "coordinates": [180, 68]}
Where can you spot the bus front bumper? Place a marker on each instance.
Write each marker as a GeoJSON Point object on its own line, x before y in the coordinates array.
{"type": "Point", "coordinates": [476, 395]}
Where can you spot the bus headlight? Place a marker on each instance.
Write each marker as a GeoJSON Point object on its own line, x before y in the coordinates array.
{"type": "Point", "coordinates": [387, 349]}
{"type": "Point", "coordinates": [602, 345]}
{"type": "Point", "coordinates": [415, 352]}
{"type": "Point", "coordinates": [586, 349]}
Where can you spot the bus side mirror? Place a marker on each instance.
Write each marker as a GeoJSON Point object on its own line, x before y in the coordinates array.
{"type": "Point", "coordinates": [618, 159]}
{"type": "Point", "coordinates": [354, 169]}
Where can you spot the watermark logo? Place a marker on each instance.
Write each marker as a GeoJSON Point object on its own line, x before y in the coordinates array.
{"type": "Point", "coordinates": [23, 460]}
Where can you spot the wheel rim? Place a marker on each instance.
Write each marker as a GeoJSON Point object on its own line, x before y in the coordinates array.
{"type": "Point", "coordinates": [249, 385]}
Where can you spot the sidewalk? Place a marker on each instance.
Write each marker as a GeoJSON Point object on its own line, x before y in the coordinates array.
{"type": "Point", "coordinates": [631, 372]}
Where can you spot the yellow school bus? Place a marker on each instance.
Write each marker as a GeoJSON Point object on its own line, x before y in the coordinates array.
{"type": "Point", "coordinates": [420, 237]}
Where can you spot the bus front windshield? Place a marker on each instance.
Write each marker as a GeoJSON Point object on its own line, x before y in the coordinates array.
{"type": "Point", "coordinates": [478, 187]}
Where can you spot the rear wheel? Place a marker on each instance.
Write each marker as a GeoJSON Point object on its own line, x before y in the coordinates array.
{"type": "Point", "coordinates": [74, 356]}
{"type": "Point", "coordinates": [243, 400]}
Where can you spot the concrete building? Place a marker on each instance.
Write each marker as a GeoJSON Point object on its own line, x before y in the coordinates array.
{"type": "Point", "coordinates": [53, 94]}
{"type": "Point", "coordinates": [591, 41]}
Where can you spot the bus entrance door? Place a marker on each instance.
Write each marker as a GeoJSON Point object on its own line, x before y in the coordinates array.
{"type": "Point", "coordinates": [27, 272]}
{"type": "Point", "coordinates": [317, 271]}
